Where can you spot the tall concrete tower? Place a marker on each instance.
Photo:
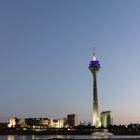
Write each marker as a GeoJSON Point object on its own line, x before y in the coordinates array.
{"type": "Point", "coordinates": [94, 67]}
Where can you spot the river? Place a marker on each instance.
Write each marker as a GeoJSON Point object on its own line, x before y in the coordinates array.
{"type": "Point", "coordinates": [46, 137]}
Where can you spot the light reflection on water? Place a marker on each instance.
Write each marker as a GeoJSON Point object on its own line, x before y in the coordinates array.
{"type": "Point", "coordinates": [46, 137]}
{"type": "Point", "coordinates": [10, 137]}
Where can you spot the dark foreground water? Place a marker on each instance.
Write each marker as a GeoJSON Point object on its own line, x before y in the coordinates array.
{"type": "Point", "coordinates": [46, 137]}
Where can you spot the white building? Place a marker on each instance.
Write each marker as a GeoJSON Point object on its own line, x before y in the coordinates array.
{"type": "Point", "coordinates": [58, 123]}
{"type": "Point", "coordinates": [106, 118]}
{"type": "Point", "coordinates": [12, 122]}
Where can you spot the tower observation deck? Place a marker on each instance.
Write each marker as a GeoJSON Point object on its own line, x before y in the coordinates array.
{"type": "Point", "coordinates": [94, 67]}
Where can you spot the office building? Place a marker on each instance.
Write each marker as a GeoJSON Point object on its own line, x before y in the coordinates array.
{"type": "Point", "coordinates": [71, 120]}
{"type": "Point", "coordinates": [106, 119]}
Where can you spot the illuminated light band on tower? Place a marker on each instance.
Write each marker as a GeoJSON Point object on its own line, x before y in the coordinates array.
{"type": "Point", "coordinates": [94, 67]}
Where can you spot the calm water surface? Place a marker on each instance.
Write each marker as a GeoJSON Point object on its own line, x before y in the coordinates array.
{"type": "Point", "coordinates": [46, 137]}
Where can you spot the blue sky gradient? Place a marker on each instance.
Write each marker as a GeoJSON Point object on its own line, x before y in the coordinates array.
{"type": "Point", "coordinates": [45, 49]}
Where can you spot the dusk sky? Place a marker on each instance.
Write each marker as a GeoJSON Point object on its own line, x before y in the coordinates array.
{"type": "Point", "coordinates": [45, 50]}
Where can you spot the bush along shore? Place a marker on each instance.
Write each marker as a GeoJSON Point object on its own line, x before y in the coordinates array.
{"type": "Point", "coordinates": [78, 130]}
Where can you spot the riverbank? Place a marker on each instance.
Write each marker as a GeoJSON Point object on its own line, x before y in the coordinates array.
{"type": "Point", "coordinates": [69, 132]}
{"type": "Point", "coordinates": [48, 132]}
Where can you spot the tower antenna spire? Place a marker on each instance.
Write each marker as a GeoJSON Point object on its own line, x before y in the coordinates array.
{"type": "Point", "coordinates": [94, 56]}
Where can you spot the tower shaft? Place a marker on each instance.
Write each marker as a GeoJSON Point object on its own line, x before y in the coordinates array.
{"type": "Point", "coordinates": [95, 101]}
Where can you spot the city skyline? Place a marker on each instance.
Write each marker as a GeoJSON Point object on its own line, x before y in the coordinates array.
{"type": "Point", "coordinates": [45, 48]}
